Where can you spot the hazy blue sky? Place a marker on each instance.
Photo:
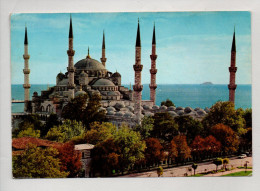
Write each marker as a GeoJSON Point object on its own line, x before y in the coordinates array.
{"type": "Point", "coordinates": [192, 47]}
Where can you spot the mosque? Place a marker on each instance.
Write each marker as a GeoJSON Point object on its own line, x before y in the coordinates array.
{"type": "Point", "coordinates": [89, 76]}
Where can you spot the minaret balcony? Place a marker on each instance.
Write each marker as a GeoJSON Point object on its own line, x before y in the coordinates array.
{"type": "Point", "coordinates": [232, 86]}
{"type": "Point", "coordinates": [26, 71]}
{"type": "Point", "coordinates": [103, 59]}
{"type": "Point", "coordinates": [153, 57]}
{"type": "Point", "coordinates": [232, 69]}
{"type": "Point", "coordinates": [154, 86]}
{"type": "Point", "coordinates": [70, 69]}
{"type": "Point", "coordinates": [26, 56]}
{"type": "Point", "coordinates": [138, 68]}
{"type": "Point", "coordinates": [70, 52]}
{"type": "Point", "coordinates": [153, 71]}
{"type": "Point", "coordinates": [26, 85]}
{"type": "Point", "coordinates": [138, 88]}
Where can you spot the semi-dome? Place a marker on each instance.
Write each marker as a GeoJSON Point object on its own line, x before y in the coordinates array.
{"type": "Point", "coordinates": [89, 64]}
{"type": "Point", "coordinates": [103, 82]}
{"type": "Point", "coordinates": [116, 74]}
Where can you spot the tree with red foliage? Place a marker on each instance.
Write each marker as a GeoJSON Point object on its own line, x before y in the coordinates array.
{"type": "Point", "coordinates": [212, 145]}
{"type": "Point", "coordinates": [70, 159]}
{"type": "Point", "coordinates": [153, 152]}
{"type": "Point", "coordinates": [227, 137]}
{"type": "Point", "coordinates": [182, 147]}
{"type": "Point", "coordinates": [198, 147]}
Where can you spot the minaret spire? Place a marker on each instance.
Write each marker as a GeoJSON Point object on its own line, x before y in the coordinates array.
{"type": "Point", "coordinates": [103, 56]}
{"type": "Point", "coordinates": [26, 72]}
{"type": "Point", "coordinates": [153, 70]}
{"type": "Point", "coordinates": [70, 68]}
{"type": "Point", "coordinates": [232, 70]}
{"type": "Point", "coordinates": [138, 87]}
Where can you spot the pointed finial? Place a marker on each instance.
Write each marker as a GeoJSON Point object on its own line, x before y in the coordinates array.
{"type": "Point", "coordinates": [138, 39]}
{"type": "Point", "coordinates": [154, 40]}
{"type": "Point", "coordinates": [71, 30]}
{"type": "Point", "coordinates": [233, 49]}
{"type": "Point", "coordinates": [88, 56]}
{"type": "Point", "coordinates": [25, 36]}
{"type": "Point", "coordinates": [80, 87]}
{"type": "Point", "coordinates": [103, 43]}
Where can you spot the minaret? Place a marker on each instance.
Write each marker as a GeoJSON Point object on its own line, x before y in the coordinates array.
{"type": "Point", "coordinates": [138, 69]}
{"type": "Point", "coordinates": [103, 58]}
{"type": "Point", "coordinates": [26, 72]}
{"type": "Point", "coordinates": [153, 70]}
{"type": "Point", "coordinates": [70, 68]}
{"type": "Point", "coordinates": [232, 70]}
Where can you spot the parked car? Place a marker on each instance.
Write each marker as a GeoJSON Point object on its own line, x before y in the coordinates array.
{"type": "Point", "coordinates": [242, 156]}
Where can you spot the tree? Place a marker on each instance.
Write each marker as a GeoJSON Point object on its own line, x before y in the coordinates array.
{"type": "Point", "coordinates": [225, 162]}
{"type": "Point", "coordinates": [66, 131]}
{"type": "Point", "coordinates": [52, 121]}
{"type": "Point", "coordinates": [35, 162]}
{"type": "Point", "coordinates": [212, 145]}
{"type": "Point", "coordinates": [70, 159]}
{"type": "Point", "coordinates": [167, 103]}
{"type": "Point", "coordinates": [194, 166]}
{"type": "Point", "coordinates": [217, 162]}
{"type": "Point", "coordinates": [154, 151]}
{"type": "Point", "coordinates": [99, 132]}
{"type": "Point", "coordinates": [173, 151]}
{"type": "Point", "coordinates": [159, 171]}
{"type": "Point", "coordinates": [165, 128]}
{"type": "Point", "coordinates": [227, 137]}
{"type": "Point", "coordinates": [182, 147]}
{"type": "Point", "coordinates": [189, 126]}
{"type": "Point", "coordinates": [146, 127]}
{"type": "Point", "coordinates": [225, 113]}
{"type": "Point", "coordinates": [198, 147]}
{"type": "Point", "coordinates": [29, 132]}
{"type": "Point", "coordinates": [248, 117]}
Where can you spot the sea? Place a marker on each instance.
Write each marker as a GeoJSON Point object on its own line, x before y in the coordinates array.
{"type": "Point", "coordinates": [184, 95]}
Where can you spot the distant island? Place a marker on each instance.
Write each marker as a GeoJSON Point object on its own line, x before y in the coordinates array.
{"type": "Point", "coordinates": [207, 83]}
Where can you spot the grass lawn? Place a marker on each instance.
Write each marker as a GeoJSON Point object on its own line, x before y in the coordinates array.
{"type": "Point", "coordinates": [197, 175]}
{"type": "Point", "coordinates": [241, 173]}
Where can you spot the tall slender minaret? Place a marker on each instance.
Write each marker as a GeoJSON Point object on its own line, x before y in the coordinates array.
{"type": "Point", "coordinates": [153, 70]}
{"type": "Point", "coordinates": [70, 68]}
{"type": "Point", "coordinates": [103, 58]}
{"type": "Point", "coordinates": [232, 70]}
{"type": "Point", "coordinates": [26, 72]}
{"type": "Point", "coordinates": [138, 87]}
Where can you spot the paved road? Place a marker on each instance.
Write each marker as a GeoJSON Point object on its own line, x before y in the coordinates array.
{"type": "Point", "coordinates": [202, 167]}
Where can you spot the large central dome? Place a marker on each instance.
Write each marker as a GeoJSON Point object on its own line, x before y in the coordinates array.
{"type": "Point", "coordinates": [89, 64]}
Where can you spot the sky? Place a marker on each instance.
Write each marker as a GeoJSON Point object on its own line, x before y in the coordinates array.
{"type": "Point", "coordinates": [192, 47]}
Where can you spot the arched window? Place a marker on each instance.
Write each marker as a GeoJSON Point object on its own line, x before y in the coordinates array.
{"type": "Point", "coordinates": [42, 108]}
{"type": "Point", "coordinates": [48, 108]}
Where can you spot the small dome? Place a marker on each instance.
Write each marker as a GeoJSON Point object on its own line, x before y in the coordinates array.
{"type": "Point", "coordinates": [128, 115]}
{"type": "Point", "coordinates": [155, 107]}
{"type": "Point", "coordinates": [113, 93]}
{"type": "Point", "coordinates": [111, 109]}
{"type": "Point", "coordinates": [60, 76]}
{"type": "Point", "coordinates": [81, 92]}
{"type": "Point", "coordinates": [83, 74]}
{"type": "Point", "coordinates": [124, 109]}
{"type": "Point", "coordinates": [163, 107]}
{"type": "Point", "coordinates": [149, 114]}
{"type": "Point", "coordinates": [111, 113]}
{"type": "Point", "coordinates": [179, 108]}
{"type": "Point", "coordinates": [197, 108]}
{"type": "Point", "coordinates": [130, 108]}
{"type": "Point", "coordinates": [63, 82]}
{"type": "Point", "coordinates": [119, 106]}
{"type": "Point", "coordinates": [201, 112]}
{"type": "Point", "coordinates": [120, 113]}
{"type": "Point", "coordinates": [180, 112]}
{"type": "Point", "coordinates": [172, 113]}
{"type": "Point", "coordinates": [171, 108]}
{"type": "Point", "coordinates": [146, 107]}
{"type": "Point", "coordinates": [116, 74]}
{"type": "Point", "coordinates": [188, 109]}
{"type": "Point", "coordinates": [103, 82]}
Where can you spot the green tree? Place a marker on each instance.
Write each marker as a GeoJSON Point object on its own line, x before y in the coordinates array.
{"type": "Point", "coordinates": [248, 117]}
{"type": "Point", "coordinates": [225, 113]}
{"type": "Point", "coordinates": [167, 103]}
{"type": "Point", "coordinates": [36, 162]}
{"type": "Point", "coordinates": [146, 127]}
{"type": "Point", "coordinates": [52, 121]}
{"type": "Point", "coordinates": [217, 162]}
{"type": "Point", "coordinates": [99, 132]}
{"type": "Point", "coordinates": [194, 166]}
{"type": "Point", "coordinates": [189, 126]}
{"type": "Point", "coordinates": [165, 128]}
{"type": "Point", "coordinates": [66, 131]}
{"type": "Point", "coordinates": [159, 171]}
{"type": "Point", "coordinates": [29, 132]}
